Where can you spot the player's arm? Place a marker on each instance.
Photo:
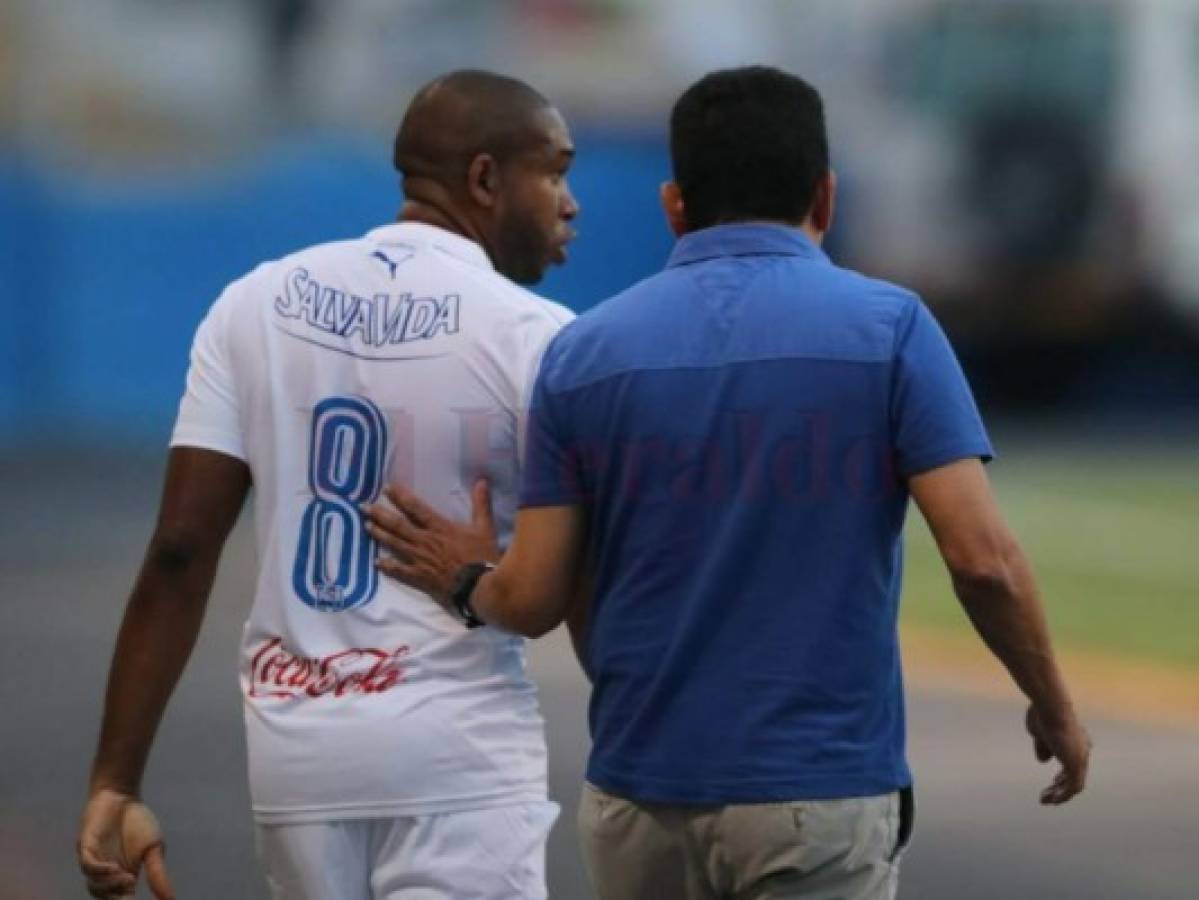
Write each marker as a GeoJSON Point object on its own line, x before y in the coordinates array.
{"type": "Point", "coordinates": [202, 496]}
{"type": "Point", "coordinates": [995, 584]}
{"type": "Point", "coordinates": [533, 586]}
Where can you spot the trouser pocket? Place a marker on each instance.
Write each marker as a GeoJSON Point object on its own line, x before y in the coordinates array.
{"type": "Point", "coordinates": [907, 821]}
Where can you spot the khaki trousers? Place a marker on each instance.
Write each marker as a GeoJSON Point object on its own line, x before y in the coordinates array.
{"type": "Point", "coordinates": [812, 849]}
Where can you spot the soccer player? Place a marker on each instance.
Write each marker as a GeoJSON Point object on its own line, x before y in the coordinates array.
{"type": "Point", "coordinates": [733, 443]}
{"type": "Point", "coordinates": [390, 749]}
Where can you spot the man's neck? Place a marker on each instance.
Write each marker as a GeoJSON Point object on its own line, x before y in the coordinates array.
{"type": "Point", "coordinates": [416, 211]}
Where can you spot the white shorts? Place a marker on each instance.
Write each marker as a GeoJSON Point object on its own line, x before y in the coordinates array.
{"type": "Point", "coordinates": [485, 854]}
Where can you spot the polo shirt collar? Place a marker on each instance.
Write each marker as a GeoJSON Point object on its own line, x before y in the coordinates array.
{"type": "Point", "coordinates": [743, 239]}
{"type": "Point", "coordinates": [455, 245]}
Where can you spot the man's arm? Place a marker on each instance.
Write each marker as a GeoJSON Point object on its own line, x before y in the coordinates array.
{"type": "Point", "coordinates": [536, 583]}
{"type": "Point", "coordinates": [203, 494]}
{"type": "Point", "coordinates": [995, 584]}
{"type": "Point", "coordinates": [532, 588]}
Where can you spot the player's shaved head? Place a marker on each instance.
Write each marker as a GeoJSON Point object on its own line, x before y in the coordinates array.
{"type": "Point", "coordinates": [456, 117]}
{"type": "Point", "coordinates": [486, 156]}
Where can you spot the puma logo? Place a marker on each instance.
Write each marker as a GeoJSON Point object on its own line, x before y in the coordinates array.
{"type": "Point", "coordinates": [392, 264]}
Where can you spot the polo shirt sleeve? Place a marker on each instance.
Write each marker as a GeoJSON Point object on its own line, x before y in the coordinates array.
{"type": "Point", "coordinates": [209, 412]}
{"type": "Point", "coordinates": [552, 473]}
{"type": "Point", "coordinates": [934, 420]}
{"type": "Point", "coordinates": [554, 319]}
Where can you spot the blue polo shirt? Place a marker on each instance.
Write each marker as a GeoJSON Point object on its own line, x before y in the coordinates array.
{"type": "Point", "coordinates": [740, 428]}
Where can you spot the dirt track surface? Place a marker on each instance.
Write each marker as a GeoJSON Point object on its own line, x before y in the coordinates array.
{"type": "Point", "coordinates": [73, 533]}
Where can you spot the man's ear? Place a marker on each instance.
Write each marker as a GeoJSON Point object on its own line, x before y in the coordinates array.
{"type": "Point", "coordinates": [824, 203]}
{"type": "Point", "coordinates": [671, 197]}
{"type": "Point", "coordinates": [483, 180]}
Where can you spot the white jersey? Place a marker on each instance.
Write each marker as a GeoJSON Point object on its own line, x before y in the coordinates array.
{"type": "Point", "coordinates": [398, 357]}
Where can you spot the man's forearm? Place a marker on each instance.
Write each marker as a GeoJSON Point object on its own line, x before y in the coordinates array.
{"type": "Point", "coordinates": [1006, 610]}
{"type": "Point", "coordinates": [159, 630]}
{"type": "Point", "coordinates": [507, 601]}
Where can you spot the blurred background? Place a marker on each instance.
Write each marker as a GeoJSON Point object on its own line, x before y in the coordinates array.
{"type": "Point", "coordinates": [1027, 165]}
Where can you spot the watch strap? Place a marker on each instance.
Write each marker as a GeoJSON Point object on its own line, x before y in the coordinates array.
{"type": "Point", "coordinates": [465, 581]}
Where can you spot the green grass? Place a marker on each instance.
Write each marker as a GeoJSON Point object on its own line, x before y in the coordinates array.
{"type": "Point", "coordinates": [1114, 539]}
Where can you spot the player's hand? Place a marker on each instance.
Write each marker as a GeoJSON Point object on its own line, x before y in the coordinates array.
{"type": "Point", "coordinates": [1065, 740]}
{"type": "Point", "coordinates": [427, 548]}
{"type": "Point", "coordinates": [118, 835]}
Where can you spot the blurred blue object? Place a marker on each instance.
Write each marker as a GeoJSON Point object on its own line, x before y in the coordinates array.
{"type": "Point", "coordinates": [622, 231]}
{"type": "Point", "coordinates": [105, 283]}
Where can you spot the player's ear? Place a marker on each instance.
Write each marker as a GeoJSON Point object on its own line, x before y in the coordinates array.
{"type": "Point", "coordinates": [483, 180]}
{"type": "Point", "coordinates": [672, 204]}
{"type": "Point", "coordinates": [824, 202]}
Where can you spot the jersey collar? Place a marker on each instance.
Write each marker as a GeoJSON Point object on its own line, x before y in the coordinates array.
{"type": "Point", "coordinates": [743, 239]}
{"type": "Point", "coordinates": [422, 234]}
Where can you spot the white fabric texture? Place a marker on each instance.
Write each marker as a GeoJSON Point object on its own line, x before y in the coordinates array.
{"type": "Point", "coordinates": [401, 357]}
{"type": "Point", "coordinates": [490, 854]}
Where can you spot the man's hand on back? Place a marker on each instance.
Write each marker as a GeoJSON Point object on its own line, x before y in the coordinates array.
{"type": "Point", "coordinates": [1066, 741]}
{"type": "Point", "coordinates": [427, 548]}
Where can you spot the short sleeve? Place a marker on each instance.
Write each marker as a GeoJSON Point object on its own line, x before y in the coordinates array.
{"type": "Point", "coordinates": [934, 420]}
{"type": "Point", "coordinates": [209, 412]}
{"type": "Point", "coordinates": [554, 319]}
{"type": "Point", "coordinates": [552, 473]}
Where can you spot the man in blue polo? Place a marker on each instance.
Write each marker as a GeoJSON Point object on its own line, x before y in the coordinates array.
{"type": "Point", "coordinates": [727, 450]}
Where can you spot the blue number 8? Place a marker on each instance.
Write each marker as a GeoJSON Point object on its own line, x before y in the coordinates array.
{"type": "Point", "coordinates": [334, 567]}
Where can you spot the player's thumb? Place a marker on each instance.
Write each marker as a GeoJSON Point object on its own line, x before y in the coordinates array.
{"type": "Point", "coordinates": [156, 873]}
{"type": "Point", "coordinates": [1042, 750]}
{"type": "Point", "coordinates": [480, 503]}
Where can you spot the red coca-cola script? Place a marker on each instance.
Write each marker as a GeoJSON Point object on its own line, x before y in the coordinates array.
{"type": "Point", "coordinates": [274, 672]}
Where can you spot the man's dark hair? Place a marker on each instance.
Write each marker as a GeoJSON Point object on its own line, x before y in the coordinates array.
{"type": "Point", "coordinates": [461, 114]}
{"type": "Point", "coordinates": [748, 143]}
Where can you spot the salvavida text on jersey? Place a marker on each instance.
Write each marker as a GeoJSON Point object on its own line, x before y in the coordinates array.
{"type": "Point", "coordinates": [377, 321]}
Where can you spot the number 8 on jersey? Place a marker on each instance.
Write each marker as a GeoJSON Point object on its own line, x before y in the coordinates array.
{"type": "Point", "coordinates": [334, 568]}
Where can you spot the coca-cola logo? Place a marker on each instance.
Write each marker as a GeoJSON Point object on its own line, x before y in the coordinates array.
{"type": "Point", "coordinates": [274, 672]}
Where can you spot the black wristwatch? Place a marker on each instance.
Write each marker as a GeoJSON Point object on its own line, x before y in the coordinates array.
{"type": "Point", "coordinates": [464, 585]}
